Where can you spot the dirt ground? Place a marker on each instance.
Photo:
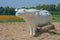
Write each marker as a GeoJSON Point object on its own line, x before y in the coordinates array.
{"type": "Point", "coordinates": [20, 31]}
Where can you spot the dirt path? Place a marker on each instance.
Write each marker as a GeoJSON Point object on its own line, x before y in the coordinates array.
{"type": "Point", "coordinates": [20, 31]}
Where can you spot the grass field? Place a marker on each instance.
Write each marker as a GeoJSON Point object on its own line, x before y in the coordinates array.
{"type": "Point", "coordinates": [5, 18]}
{"type": "Point", "coordinates": [56, 18]}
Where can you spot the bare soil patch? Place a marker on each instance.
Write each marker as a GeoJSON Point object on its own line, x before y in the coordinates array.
{"type": "Point", "coordinates": [20, 31]}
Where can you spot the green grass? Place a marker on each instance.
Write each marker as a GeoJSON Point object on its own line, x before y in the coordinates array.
{"type": "Point", "coordinates": [56, 18]}
{"type": "Point", "coordinates": [12, 20]}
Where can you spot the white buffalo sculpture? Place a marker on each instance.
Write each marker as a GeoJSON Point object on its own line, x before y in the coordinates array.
{"type": "Point", "coordinates": [34, 17]}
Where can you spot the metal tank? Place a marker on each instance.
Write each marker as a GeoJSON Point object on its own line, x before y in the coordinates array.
{"type": "Point", "coordinates": [34, 17]}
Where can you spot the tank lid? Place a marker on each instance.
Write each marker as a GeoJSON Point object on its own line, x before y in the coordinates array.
{"type": "Point", "coordinates": [44, 13]}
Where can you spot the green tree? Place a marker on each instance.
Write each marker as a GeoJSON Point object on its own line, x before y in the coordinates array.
{"type": "Point", "coordinates": [38, 7]}
{"type": "Point", "coordinates": [1, 10]}
{"type": "Point", "coordinates": [58, 7]}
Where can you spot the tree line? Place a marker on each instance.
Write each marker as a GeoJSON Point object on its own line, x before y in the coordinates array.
{"type": "Point", "coordinates": [7, 11]}
{"type": "Point", "coordinates": [54, 9]}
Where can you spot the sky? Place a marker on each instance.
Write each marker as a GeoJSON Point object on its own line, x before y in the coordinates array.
{"type": "Point", "coordinates": [26, 3]}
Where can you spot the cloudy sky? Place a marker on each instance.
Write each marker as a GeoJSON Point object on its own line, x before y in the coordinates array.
{"type": "Point", "coordinates": [26, 3]}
